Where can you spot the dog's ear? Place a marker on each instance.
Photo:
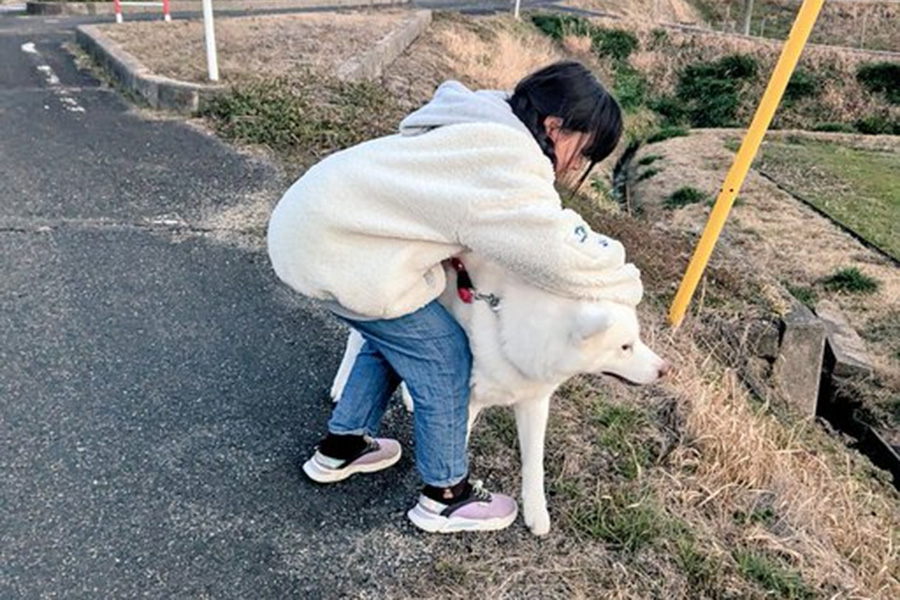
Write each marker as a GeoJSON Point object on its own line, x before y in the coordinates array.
{"type": "Point", "coordinates": [590, 320]}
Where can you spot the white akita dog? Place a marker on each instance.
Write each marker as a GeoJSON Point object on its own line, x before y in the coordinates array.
{"type": "Point", "coordinates": [524, 348]}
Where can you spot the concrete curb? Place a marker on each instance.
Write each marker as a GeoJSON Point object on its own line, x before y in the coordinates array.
{"type": "Point", "coordinates": [371, 64]}
{"type": "Point", "coordinates": [188, 98]}
{"type": "Point", "coordinates": [159, 92]}
{"type": "Point", "coordinates": [183, 6]}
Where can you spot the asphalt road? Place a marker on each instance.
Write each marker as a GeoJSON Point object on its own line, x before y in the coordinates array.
{"type": "Point", "coordinates": [158, 388]}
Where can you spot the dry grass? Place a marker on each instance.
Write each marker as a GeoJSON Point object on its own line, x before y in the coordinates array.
{"type": "Point", "coordinates": [496, 57]}
{"type": "Point", "coordinates": [255, 47]}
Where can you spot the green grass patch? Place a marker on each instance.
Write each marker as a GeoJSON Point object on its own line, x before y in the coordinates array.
{"type": "Point", "coordinates": [303, 114]}
{"type": "Point", "coordinates": [666, 133]}
{"type": "Point", "coordinates": [804, 294]}
{"type": "Point", "coordinates": [648, 173]}
{"type": "Point", "coordinates": [649, 160]}
{"type": "Point", "coordinates": [700, 570]}
{"type": "Point", "coordinates": [879, 123]}
{"type": "Point", "coordinates": [803, 84]}
{"type": "Point", "coordinates": [631, 88]}
{"type": "Point", "coordinates": [881, 78]}
{"type": "Point", "coordinates": [709, 92]}
{"type": "Point", "coordinates": [559, 26]}
{"type": "Point", "coordinates": [834, 127]}
{"type": "Point", "coordinates": [617, 44]}
{"type": "Point", "coordinates": [772, 576]}
{"type": "Point", "coordinates": [856, 187]}
{"type": "Point", "coordinates": [619, 428]}
{"type": "Point", "coordinates": [685, 196]}
{"type": "Point", "coordinates": [626, 520]}
{"type": "Point", "coordinates": [851, 280]}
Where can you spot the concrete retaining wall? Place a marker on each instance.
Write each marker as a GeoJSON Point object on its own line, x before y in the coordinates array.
{"type": "Point", "coordinates": [159, 92]}
{"type": "Point", "coordinates": [371, 64]}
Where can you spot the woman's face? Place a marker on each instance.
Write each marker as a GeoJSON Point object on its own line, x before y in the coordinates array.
{"type": "Point", "coordinates": [567, 145]}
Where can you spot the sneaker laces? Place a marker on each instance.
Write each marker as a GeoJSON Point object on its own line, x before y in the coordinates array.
{"type": "Point", "coordinates": [479, 493]}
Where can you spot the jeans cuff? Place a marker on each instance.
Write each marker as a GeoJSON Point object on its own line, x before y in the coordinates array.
{"type": "Point", "coordinates": [359, 431]}
{"type": "Point", "coordinates": [444, 483]}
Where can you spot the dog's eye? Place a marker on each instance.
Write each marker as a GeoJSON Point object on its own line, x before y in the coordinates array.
{"type": "Point", "coordinates": [627, 347]}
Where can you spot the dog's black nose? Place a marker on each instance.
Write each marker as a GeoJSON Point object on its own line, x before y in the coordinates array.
{"type": "Point", "coordinates": [664, 370]}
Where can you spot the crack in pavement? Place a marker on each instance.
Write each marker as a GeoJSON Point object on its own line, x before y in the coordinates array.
{"type": "Point", "coordinates": [161, 223]}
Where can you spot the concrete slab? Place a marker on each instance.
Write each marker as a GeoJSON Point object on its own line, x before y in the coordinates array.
{"type": "Point", "coordinates": [798, 369]}
{"type": "Point", "coordinates": [850, 356]}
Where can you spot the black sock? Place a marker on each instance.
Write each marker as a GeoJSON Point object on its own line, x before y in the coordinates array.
{"type": "Point", "coordinates": [449, 495]}
{"type": "Point", "coordinates": [342, 447]}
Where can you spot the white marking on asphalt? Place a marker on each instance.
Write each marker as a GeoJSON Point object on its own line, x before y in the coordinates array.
{"type": "Point", "coordinates": [48, 74]}
{"type": "Point", "coordinates": [68, 102]}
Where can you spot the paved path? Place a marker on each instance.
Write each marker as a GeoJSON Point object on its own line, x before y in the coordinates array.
{"type": "Point", "coordinates": [158, 389]}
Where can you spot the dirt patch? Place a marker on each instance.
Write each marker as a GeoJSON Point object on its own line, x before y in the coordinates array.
{"type": "Point", "coordinates": [255, 47]}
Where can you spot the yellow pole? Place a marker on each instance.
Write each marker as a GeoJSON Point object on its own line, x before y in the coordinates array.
{"type": "Point", "coordinates": [738, 172]}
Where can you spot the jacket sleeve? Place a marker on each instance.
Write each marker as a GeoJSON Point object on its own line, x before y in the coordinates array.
{"type": "Point", "coordinates": [551, 248]}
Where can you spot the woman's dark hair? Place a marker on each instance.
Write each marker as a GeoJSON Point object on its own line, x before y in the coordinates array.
{"type": "Point", "coordinates": [569, 91]}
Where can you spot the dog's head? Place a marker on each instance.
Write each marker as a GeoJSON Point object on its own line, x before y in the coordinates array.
{"type": "Point", "coordinates": [605, 339]}
{"type": "Point", "coordinates": [567, 337]}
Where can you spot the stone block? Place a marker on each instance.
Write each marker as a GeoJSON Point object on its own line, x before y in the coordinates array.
{"type": "Point", "coordinates": [798, 368]}
{"type": "Point", "coordinates": [848, 349]}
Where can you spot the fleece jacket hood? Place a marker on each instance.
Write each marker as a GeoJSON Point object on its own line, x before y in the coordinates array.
{"type": "Point", "coordinates": [455, 104]}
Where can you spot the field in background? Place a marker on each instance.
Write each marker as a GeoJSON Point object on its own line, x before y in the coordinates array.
{"type": "Point", "coordinates": [857, 187]}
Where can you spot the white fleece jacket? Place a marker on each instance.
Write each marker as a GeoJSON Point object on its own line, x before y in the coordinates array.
{"type": "Point", "coordinates": [368, 226]}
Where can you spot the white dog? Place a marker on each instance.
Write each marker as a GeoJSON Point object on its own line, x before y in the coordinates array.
{"type": "Point", "coordinates": [523, 348]}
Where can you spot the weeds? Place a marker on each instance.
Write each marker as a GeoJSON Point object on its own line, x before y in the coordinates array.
{"type": "Point", "coordinates": [631, 87]}
{"type": "Point", "coordinates": [624, 519]}
{"type": "Point", "coordinates": [759, 568]}
{"type": "Point", "coordinates": [806, 295]}
{"type": "Point", "coordinates": [649, 160]}
{"type": "Point", "coordinates": [559, 26]}
{"type": "Point", "coordinates": [685, 196]}
{"type": "Point", "coordinates": [709, 91]}
{"type": "Point", "coordinates": [834, 127]}
{"type": "Point", "coordinates": [699, 569]}
{"type": "Point", "coordinates": [878, 124]}
{"type": "Point", "coordinates": [648, 173]}
{"type": "Point", "coordinates": [298, 115]}
{"type": "Point", "coordinates": [803, 84]}
{"type": "Point", "coordinates": [851, 280]}
{"type": "Point", "coordinates": [617, 44]}
{"type": "Point", "coordinates": [881, 78]}
{"type": "Point", "coordinates": [620, 425]}
{"type": "Point", "coordinates": [666, 133]}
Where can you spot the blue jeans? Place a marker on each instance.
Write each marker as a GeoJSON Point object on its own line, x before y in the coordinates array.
{"type": "Point", "coordinates": [430, 352]}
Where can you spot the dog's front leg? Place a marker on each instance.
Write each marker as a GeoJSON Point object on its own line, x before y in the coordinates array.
{"type": "Point", "coordinates": [531, 422]}
{"type": "Point", "coordinates": [355, 342]}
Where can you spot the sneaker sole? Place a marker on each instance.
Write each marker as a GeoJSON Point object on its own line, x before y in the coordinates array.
{"type": "Point", "coordinates": [320, 475]}
{"type": "Point", "coordinates": [433, 523]}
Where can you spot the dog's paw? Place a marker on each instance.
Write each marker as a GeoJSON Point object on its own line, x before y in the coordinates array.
{"type": "Point", "coordinates": [537, 519]}
{"type": "Point", "coordinates": [335, 392]}
{"type": "Point", "coordinates": [407, 397]}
